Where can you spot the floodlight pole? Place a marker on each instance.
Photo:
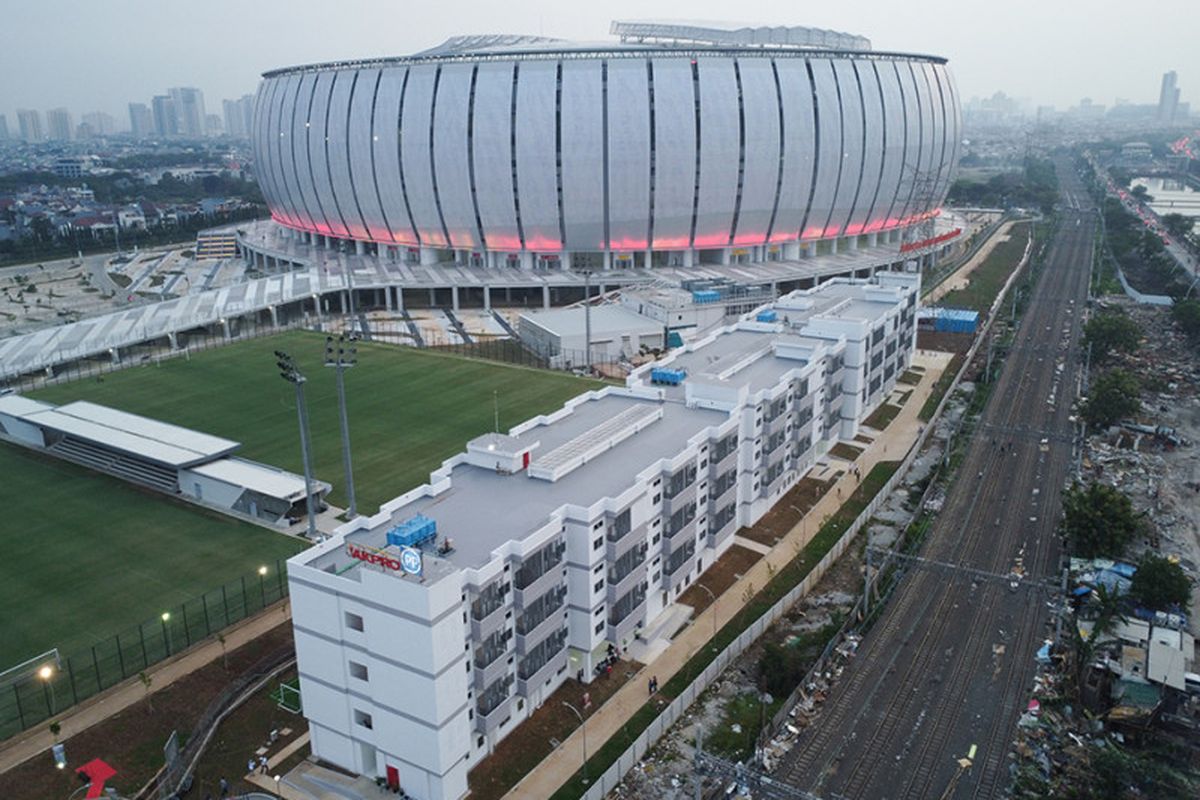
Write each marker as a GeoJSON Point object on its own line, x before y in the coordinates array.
{"type": "Point", "coordinates": [341, 361]}
{"type": "Point", "coordinates": [288, 371]}
{"type": "Point", "coordinates": [587, 319]}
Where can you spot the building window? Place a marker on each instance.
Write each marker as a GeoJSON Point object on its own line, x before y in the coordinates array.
{"type": "Point", "coordinates": [600, 627]}
{"type": "Point", "coordinates": [598, 543]}
{"type": "Point", "coordinates": [598, 611]}
{"type": "Point", "coordinates": [479, 742]}
{"type": "Point", "coordinates": [364, 719]}
{"type": "Point", "coordinates": [599, 585]}
{"type": "Point", "coordinates": [358, 671]}
{"type": "Point", "coordinates": [354, 622]}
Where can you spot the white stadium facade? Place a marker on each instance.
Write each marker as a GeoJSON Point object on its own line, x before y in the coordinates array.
{"type": "Point", "coordinates": [675, 146]}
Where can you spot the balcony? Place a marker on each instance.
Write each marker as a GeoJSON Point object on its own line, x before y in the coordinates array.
{"type": "Point", "coordinates": [633, 577]}
{"type": "Point", "coordinates": [615, 548]}
{"type": "Point", "coordinates": [486, 723]}
{"type": "Point", "coordinates": [485, 627]}
{"type": "Point", "coordinates": [483, 677]}
{"type": "Point", "coordinates": [542, 584]}
{"type": "Point", "coordinates": [529, 640]}
{"type": "Point", "coordinates": [526, 686]}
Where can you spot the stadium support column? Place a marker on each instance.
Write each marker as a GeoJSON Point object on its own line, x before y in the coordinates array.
{"type": "Point", "coordinates": [872, 239]}
{"type": "Point", "coordinates": [429, 257]}
{"type": "Point", "coordinates": [545, 296]}
{"type": "Point", "coordinates": [389, 298]}
{"type": "Point", "coordinates": [689, 257]}
{"type": "Point", "coordinates": [851, 242]}
{"type": "Point", "coordinates": [454, 297]}
{"type": "Point", "coordinates": [487, 297]}
{"type": "Point", "coordinates": [791, 251]}
{"type": "Point", "coordinates": [359, 247]}
{"type": "Point", "coordinates": [274, 316]}
{"type": "Point", "coordinates": [833, 247]}
{"type": "Point", "coordinates": [174, 342]}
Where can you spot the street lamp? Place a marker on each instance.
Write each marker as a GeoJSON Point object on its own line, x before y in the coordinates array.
{"type": "Point", "coordinates": [262, 585]}
{"type": "Point", "coordinates": [46, 672]}
{"type": "Point", "coordinates": [166, 616]}
{"type": "Point", "coordinates": [708, 592]}
{"type": "Point", "coordinates": [289, 372]}
{"type": "Point", "coordinates": [341, 358]}
{"type": "Point", "coordinates": [583, 727]}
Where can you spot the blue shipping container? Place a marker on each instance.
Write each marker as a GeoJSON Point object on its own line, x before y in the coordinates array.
{"type": "Point", "coordinates": [767, 316]}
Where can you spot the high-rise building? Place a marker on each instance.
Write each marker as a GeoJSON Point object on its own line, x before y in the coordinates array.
{"type": "Point", "coordinates": [189, 111]}
{"type": "Point", "coordinates": [30, 122]}
{"type": "Point", "coordinates": [3, 128]}
{"type": "Point", "coordinates": [213, 125]}
{"type": "Point", "coordinates": [166, 119]}
{"type": "Point", "coordinates": [102, 124]}
{"type": "Point", "coordinates": [1168, 97]}
{"type": "Point", "coordinates": [239, 116]}
{"type": "Point", "coordinates": [58, 125]}
{"type": "Point", "coordinates": [141, 121]}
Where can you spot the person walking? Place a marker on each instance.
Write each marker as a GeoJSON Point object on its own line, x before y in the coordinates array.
{"type": "Point", "coordinates": [262, 764]}
{"type": "Point", "coordinates": [250, 766]}
{"type": "Point", "coordinates": [224, 788]}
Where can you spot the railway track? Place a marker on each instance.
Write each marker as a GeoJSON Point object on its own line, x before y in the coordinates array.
{"type": "Point", "coordinates": [949, 663]}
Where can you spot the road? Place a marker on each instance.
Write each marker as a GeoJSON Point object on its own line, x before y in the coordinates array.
{"type": "Point", "coordinates": [949, 663]}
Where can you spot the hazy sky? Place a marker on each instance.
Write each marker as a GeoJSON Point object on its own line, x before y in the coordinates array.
{"type": "Point", "coordinates": [101, 55]}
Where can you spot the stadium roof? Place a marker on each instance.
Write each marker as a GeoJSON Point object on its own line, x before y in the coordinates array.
{"type": "Point", "coordinates": [167, 444]}
{"type": "Point", "coordinates": [256, 477]}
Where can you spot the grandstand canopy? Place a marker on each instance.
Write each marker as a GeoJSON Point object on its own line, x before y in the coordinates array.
{"type": "Point", "coordinates": [150, 439]}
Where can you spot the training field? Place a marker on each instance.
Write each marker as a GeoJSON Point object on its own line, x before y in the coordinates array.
{"type": "Point", "coordinates": [409, 409]}
{"type": "Point", "coordinates": [87, 555]}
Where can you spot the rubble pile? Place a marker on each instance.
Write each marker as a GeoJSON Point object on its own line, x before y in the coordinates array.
{"type": "Point", "coordinates": [1155, 459]}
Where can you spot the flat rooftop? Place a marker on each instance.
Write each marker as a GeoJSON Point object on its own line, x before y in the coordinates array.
{"type": "Point", "coordinates": [484, 509]}
{"type": "Point", "coordinates": [607, 320]}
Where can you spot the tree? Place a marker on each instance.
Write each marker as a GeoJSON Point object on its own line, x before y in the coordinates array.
{"type": "Point", "coordinates": [1178, 225]}
{"type": "Point", "coordinates": [1098, 521]}
{"type": "Point", "coordinates": [1109, 332]}
{"type": "Point", "coordinates": [1106, 611]}
{"type": "Point", "coordinates": [1113, 396]}
{"type": "Point", "coordinates": [146, 682]}
{"type": "Point", "coordinates": [1187, 316]}
{"type": "Point", "coordinates": [1160, 584]}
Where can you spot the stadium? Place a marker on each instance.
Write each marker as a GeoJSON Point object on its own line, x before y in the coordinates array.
{"type": "Point", "coordinates": [676, 146]}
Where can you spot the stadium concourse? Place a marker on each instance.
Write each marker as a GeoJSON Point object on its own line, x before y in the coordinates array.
{"type": "Point", "coordinates": [307, 281]}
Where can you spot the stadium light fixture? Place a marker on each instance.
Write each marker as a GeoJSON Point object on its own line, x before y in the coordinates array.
{"type": "Point", "coordinates": [262, 570]}
{"type": "Point", "coordinates": [290, 373]}
{"type": "Point", "coordinates": [341, 354]}
{"type": "Point", "coordinates": [46, 672]}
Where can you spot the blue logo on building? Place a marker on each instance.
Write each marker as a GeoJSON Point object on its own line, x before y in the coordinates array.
{"type": "Point", "coordinates": [410, 561]}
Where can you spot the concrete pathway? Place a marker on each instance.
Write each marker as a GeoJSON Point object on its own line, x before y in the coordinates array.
{"type": "Point", "coordinates": [112, 701]}
{"type": "Point", "coordinates": [890, 445]}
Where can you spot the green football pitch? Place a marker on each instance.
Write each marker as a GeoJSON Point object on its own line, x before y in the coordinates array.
{"type": "Point", "coordinates": [87, 555]}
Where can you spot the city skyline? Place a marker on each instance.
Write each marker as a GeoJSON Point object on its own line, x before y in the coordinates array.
{"type": "Point", "coordinates": [1007, 48]}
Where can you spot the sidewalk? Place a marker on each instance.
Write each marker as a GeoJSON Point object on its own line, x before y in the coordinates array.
{"type": "Point", "coordinates": [890, 445]}
{"type": "Point", "coordinates": [112, 701]}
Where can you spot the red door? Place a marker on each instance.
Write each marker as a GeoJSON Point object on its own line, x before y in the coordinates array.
{"type": "Point", "coordinates": [393, 778]}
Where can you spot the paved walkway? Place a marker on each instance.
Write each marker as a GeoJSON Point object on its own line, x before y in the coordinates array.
{"type": "Point", "coordinates": [890, 445]}
{"type": "Point", "coordinates": [37, 741]}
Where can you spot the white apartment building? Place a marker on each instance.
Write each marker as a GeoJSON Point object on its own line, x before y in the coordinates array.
{"type": "Point", "coordinates": [427, 632]}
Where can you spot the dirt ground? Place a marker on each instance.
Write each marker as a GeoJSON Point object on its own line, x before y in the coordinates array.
{"type": "Point", "coordinates": [131, 742]}
{"type": "Point", "coordinates": [946, 342]}
{"type": "Point", "coordinates": [962, 276]}
{"type": "Point", "coordinates": [534, 738]}
{"type": "Point", "coordinates": [718, 577]}
{"type": "Point", "coordinates": [784, 515]}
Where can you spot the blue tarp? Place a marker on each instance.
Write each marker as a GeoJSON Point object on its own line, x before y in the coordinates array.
{"type": "Point", "coordinates": [1124, 570]}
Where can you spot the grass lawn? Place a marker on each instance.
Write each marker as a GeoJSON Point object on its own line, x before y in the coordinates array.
{"type": "Point", "coordinates": [987, 279]}
{"type": "Point", "coordinates": [91, 555]}
{"type": "Point", "coordinates": [409, 410]}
